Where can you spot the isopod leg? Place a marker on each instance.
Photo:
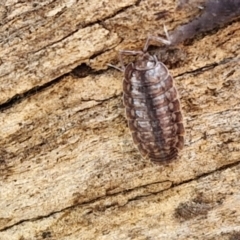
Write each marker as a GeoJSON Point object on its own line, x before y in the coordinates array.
{"type": "Point", "coordinates": [157, 39]}
{"type": "Point", "coordinates": [120, 56]}
{"type": "Point", "coordinates": [166, 33]}
{"type": "Point", "coordinates": [114, 66]}
{"type": "Point", "coordinates": [127, 52]}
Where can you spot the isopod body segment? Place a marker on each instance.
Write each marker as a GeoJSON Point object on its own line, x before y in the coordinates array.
{"type": "Point", "coordinates": [152, 107]}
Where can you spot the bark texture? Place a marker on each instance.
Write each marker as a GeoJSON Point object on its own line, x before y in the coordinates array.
{"type": "Point", "coordinates": [68, 166]}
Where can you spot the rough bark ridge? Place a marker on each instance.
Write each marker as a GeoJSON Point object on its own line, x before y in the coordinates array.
{"type": "Point", "coordinates": [68, 167]}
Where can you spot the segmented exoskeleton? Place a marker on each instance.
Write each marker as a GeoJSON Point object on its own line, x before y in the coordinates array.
{"type": "Point", "coordinates": [152, 106]}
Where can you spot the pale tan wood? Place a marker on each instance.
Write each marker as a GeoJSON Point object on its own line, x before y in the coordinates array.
{"type": "Point", "coordinates": [68, 167]}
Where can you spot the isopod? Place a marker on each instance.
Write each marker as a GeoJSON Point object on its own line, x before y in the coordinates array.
{"type": "Point", "coordinates": [152, 105]}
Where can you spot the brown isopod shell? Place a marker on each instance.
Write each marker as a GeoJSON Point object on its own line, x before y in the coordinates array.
{"type": "Point", "coordinates": [152, 107]}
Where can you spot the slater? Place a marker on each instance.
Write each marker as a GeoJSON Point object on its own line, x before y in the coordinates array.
{"type": "Point", "coordinates": [152, 105]}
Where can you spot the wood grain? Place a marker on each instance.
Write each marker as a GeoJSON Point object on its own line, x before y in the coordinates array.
{"type": "Point", "coordinates": [68, 167]}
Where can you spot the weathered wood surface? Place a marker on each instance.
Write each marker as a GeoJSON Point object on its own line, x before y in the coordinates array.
{"type": "Point", "coordinates": [68, 167]}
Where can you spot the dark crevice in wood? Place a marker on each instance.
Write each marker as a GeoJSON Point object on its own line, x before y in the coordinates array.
{"type": "Point", "coordinates": [18, 98]}
{"type": "Point", "coordinates": [78, 26]}
{"type": "Point", "coordinates": [206, 68]}
{"type": "Point", "coordinates": [103, 208]}
{"type": "Point", "coordinates": [81, 71]}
